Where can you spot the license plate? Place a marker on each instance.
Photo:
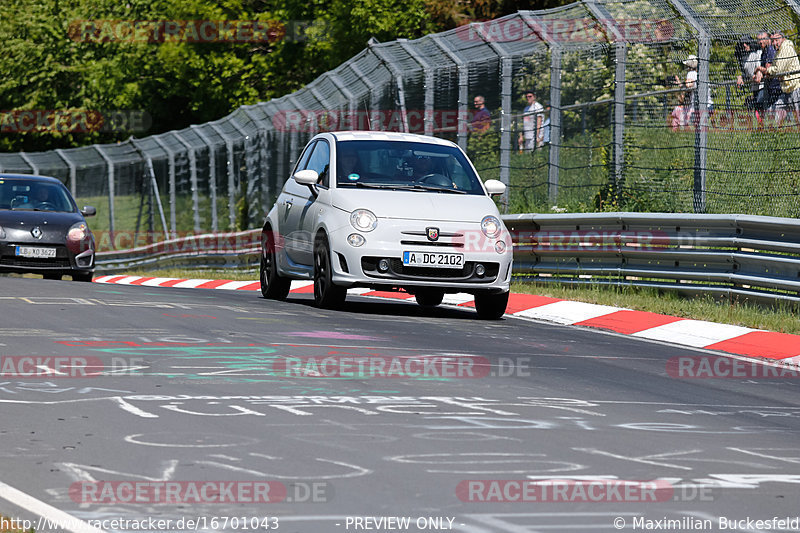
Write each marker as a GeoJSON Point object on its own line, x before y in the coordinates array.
{"type": "Point", "coordinates": [35, 252]}
{"type": "Point", "coordinates": [433, 260]}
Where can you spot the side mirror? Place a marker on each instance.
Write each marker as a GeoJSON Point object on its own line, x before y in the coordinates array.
{"type": "Point", "coordinates": [494, 187]}
{"type": "Point", "coordinates": [88, 211]}
{"type": "Point", "coordinates": [306, 177]}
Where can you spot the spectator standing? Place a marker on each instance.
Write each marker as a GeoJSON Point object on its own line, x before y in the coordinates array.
{"type": "Point", "coordinates": [546, 126]}
{"type": "Point", "coordinates": [786, 67]}
{"type": "Point", "coordinates": [769, 89]}
{"type": "Point", "coordinates": [481, 119]}
{"type": "Point", "coordinates": [532, 123]}
{"type": "Point", "coordinates": [679, 115]}
{"type": "Point", "coordinates": [748, 54]}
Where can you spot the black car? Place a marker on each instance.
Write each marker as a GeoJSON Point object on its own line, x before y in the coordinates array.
{"type": "Point", "coordinates": [42, 230]}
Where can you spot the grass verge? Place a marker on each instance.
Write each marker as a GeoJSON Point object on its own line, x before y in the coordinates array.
{"type": "Point", "coordinates": [654, 301]}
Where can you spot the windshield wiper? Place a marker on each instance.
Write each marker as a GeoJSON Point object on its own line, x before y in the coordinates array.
{"type": "Point", "coordinates": [437, 189]}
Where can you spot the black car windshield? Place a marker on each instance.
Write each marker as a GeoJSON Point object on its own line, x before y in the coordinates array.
{"type": "Point", "coordinates": [411, 166]}
{"type": "Point", "coordinates": [33, 195]}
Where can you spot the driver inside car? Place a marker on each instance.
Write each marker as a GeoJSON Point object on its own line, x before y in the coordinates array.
{"type": "Point", "coordinates": [41, 199]}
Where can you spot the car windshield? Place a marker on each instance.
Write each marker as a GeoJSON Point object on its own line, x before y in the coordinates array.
{"type": "Point", "coordinates": [33, 195]}
{"type": "Point", "coordinates": [405, 165]}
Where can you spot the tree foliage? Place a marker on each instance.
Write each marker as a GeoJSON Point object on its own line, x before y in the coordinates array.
{"type": "Point", "coordinates": [49, 65]}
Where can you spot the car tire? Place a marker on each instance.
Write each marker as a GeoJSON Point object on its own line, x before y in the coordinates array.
{"type": "Point", "coordinates": [326, 294]}
{"type": "Point", "coordinates": [491, 306]}
{"type": "Point", "coordinates": [51, 275]}
{"type": "Point", "coordinates": [273, 285]}
{"type": "Point", "coordinates": [82, 276]}
{"type": "Point", "coordinates": [429, 298]}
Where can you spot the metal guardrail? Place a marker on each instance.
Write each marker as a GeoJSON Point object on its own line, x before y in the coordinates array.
{"type": "Point", "coordinates": [212, 250]}
{"type": "Point", "coordinates": [734, 256]}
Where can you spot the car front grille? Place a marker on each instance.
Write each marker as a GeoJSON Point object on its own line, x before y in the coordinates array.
{"type": "Point", "coordinates": [8, 259]}
{"type": "Point", "coordinates": [398, 271]}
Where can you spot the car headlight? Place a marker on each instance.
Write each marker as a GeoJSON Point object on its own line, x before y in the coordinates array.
{"type": "Point", "coordinates": [79, 238]}
{"type": "Point", "coordinates": [491, 227]}
{"type": "Point", "coordinates": [363, 220]}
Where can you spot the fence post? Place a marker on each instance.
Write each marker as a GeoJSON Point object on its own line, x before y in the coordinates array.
{"type": "Point", "coordinates": [386, 59]}
{"type": "Point", "coordinates": [73, 172]}
{"type": "Point", "coordinates": [505, 130]}
{"type": "Point", "coordinates": [171, 156]}
{"type": "Point", "coordinates": [153, 185]}
{"type": "Point", "coordinates": [618, 127]}
{"type": "Point", "coordinates": [430, 81]}
{"type": "Point", "coordinates": [701, 122]}
{"type": "Point", "coordinates": [110, 165]}
{"type": "Point", "coordinates": [555, 123]}
{"type": "Point", "coordinates": [30, 163]}
{"type": "Point", "coordinates": [463, 88]}
{"type": "Point", "coordinates": [351, 100]}
{"type": "Point", "coordinates": [371, 88]}
{"type": "Point", "coordinates": [701, 125]}
{"type": "Point", "coordinates": [212, 175]}
{"type": "Point", "coordinates": [192, 181]}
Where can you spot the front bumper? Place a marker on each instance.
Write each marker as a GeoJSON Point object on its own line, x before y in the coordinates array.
{"type": "Point", "coordinates": [64, 261]}
{"type": "Point", "coordinates": [358, 266]}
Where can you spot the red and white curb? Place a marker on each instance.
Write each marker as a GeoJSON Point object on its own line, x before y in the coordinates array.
{"type": "Point", "coordinates": [737, 340]}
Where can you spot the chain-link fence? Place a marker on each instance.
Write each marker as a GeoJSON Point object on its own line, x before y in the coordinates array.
{"type": "Point", "coordinates": [641, 110]}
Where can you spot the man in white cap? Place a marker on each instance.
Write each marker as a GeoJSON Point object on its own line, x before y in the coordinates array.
{"type": "Point", "coordinates": [691, 89]}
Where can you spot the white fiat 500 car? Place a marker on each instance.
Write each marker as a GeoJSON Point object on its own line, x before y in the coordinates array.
{"type": "Point", "coordinates": [387, 211]}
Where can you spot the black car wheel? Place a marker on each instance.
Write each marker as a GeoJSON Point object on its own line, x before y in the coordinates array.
{"type": "Point", "coordinates": [429, 298]}
{"type": "Point", "coordinates": [273, 285]}
{"type": "Point", "coordinates": [491, 306]}
{"type": "Point", "coordinates": [326, 294]}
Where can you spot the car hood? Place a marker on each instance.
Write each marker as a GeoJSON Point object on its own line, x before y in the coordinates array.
{"type": "Point", "coordinates": [20, 222]}
{"type": "Point", "coordinates": [416, 205]}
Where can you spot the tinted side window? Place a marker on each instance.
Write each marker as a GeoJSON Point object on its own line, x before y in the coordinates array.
{"type": "Point", "coordinates": [320, 161]}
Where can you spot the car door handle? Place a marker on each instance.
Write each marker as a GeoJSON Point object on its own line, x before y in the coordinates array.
{"type": "Point", "coordinates": [288, 204]}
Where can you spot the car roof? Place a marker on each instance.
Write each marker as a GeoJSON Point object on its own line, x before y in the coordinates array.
{"type": "Point", "coordinates": [30, 177]}
{"type": "Point", "coordinates": [388, 136]}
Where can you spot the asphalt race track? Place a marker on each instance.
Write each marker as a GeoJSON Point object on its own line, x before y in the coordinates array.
{"type": "Point", "coordinates": [221, 398]}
